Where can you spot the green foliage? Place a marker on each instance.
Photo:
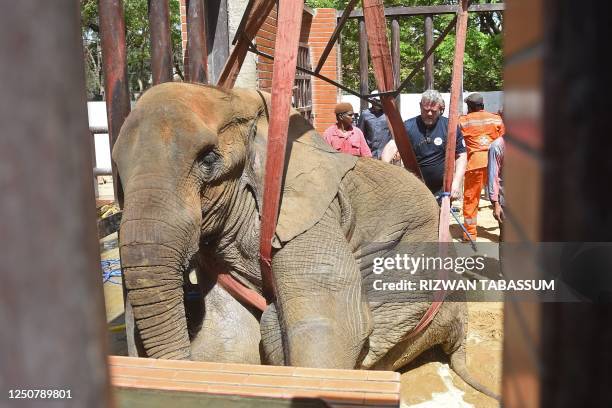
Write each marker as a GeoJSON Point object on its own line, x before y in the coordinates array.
{"type": "Point", "coordinates": [483, 61]}
{"type": "Point", "coordinates": [137, 42]}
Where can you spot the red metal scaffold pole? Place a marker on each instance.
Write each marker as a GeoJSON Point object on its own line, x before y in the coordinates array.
{"type": "Point", "coordinates": [283, 76]}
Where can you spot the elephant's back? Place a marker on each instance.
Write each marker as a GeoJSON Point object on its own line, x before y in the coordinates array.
{"type": "Point", "coordinates": [389, 201]}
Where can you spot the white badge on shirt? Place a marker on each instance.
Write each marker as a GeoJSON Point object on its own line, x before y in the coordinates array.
{"type": "Point", "coordinates": [438, 141]}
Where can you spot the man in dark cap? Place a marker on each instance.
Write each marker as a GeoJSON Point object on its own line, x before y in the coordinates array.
{"type": "Point", "coordinates": [343, 136]}
{"type": "Point", "coordinates": [373, 124]}
{"type": "Point", "coordinates": [480, 129]}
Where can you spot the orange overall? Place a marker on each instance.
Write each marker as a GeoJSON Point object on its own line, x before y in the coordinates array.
{"type": "Point", "coordinates": [479, 130]}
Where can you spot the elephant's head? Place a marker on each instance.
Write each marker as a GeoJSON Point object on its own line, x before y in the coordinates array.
{"type": "Point", "coordinates": [191, 162]}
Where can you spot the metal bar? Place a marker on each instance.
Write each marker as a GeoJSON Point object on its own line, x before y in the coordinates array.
{"type": "Point", "coordinates": [196, 42]}
{"type": "Point", "coordinates": [422, 61]}
{"type": "Point", "coordinates": [335, 35]}
{"type": "Point", "coordinates": [425, 10]}
{"type": "Point", "coordinates": [363, 63]}
{"type": "Point", "coordinates": [114, 65]}
{"type": "Point", "coordinates": [429, 62]}
{"type": "Point", "coordinates": [381, 61]}
{"type": "Point", "coordinates": [283, 77]}
{"type": "Point", "coordinates": [367, 98]}
{"type": "Point", "coordinates": [253, 18]}
{"type": "Point", "coordinates": [161, 46]}
{"type": "Point", "coordinates": [453, 120]}
{"type": "Point", "coordinates": [395, 57]}
{"type": "Point", "coordinates": [96, 130]}
{"type": "Point", "coordinates": [51, 308]}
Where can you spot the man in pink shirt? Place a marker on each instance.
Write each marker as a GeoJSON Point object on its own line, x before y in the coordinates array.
{"type": "Point", "coordinates": [343, 136]}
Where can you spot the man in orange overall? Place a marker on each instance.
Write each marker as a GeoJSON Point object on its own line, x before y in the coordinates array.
{"type": "Point", "coordinates": [479, 129]}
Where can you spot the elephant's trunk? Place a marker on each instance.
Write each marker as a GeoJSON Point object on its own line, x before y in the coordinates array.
{"type": "Point", "coordinates": [157, 241]}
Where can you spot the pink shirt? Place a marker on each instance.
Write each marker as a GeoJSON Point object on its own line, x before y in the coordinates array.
{"type": "Point", "coordinates": [352, 142]}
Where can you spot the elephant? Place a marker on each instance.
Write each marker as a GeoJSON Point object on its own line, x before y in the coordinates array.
{"type": "Point", "coordinates": [191, 160]}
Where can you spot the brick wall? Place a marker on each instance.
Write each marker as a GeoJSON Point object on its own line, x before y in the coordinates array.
{"type": "Point", "coordinates": [183, 7]}
{"type": "Point", "coordinates": [324, 95]}
{"type": "Point", "coordinates": [264, 40]}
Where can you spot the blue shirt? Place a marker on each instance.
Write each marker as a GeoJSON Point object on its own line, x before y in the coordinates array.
{"type": "Point", "coordinates": [429, 145]}
{"type": "Point", "coordinates": [373, 124]}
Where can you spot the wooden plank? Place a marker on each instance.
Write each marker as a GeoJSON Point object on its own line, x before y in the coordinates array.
{"type": "Point", "coordinates": [335, 35]}
{"type": "Point", "coordinates": [395, 57]}
{"type": "Point", "coordinates": [296, 385]}
{"type": "Point", "coordinates": [381, 61]}
{"type": "Point", "coordinates": [51, 305]}
{"type": "Point", "coordinates": [363, 63]}
{"type": "Point", "coordinates": [255, 15]}
{"type": "Point", "coordinates": [283, 77]}
{"type": "Point", "coordinates": [429, 62]}
{"type": "Point", "coordinates": [114, 66]}
{"type": "Point", "coordinates": [196, 42]}
{"type": "Point", "coordinates": [422, 61]}
{"type": "Point", "coordinates": [425, 10]}
{"type": "Point", "coordinates": [161, 46]}
{"type": "Point", "coordinates": [453, 119]}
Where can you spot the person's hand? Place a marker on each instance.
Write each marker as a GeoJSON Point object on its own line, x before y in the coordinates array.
{"type": "Point", "coordinates": [455, 191]}
{"type": "Point", "coordinates": [498, 212]}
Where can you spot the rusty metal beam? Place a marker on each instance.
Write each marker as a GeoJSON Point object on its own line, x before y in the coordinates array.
{"type": "Point", "coordinates": [256, 13]}
{"type": "Point", "coordinates": [114, 66]}
{"type": "Point", "coordinates": [430, 52]}
{"type": "Point", "coordinates": [283, 77]}
{"type": "Point", "coordinates": [161, 46]}
{"type": "Point", "coordinates": [51, 304]}
{"type": "Point", "coordinates": [335, 35]}
{"type": "Point", "coordinates": [197, 53]}
{"type": "Point", "coordinates": [381, 60]}
{"type": "Point", "coordinates": [442, 9]}
{"type": "Point", "coordinates": [453, 119]}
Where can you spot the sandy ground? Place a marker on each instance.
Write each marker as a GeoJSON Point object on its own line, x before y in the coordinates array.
{"type": "Point", "coordinates": [427, 382]}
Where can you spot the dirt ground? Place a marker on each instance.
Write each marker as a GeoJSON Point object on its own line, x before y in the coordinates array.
{"type": "Point", "coordinates": [428, 382]}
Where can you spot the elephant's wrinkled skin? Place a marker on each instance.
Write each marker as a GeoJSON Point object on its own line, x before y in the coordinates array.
{"type": "Point", "coordinates": [191, 159]}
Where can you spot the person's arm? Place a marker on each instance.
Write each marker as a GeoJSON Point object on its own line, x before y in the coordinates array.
{"type": "Point", "coordinates": [388, 152]}
{"type": "Point", "coordinates": [493, 169]}
{"type": "Point", "coordinates": [460, 165]}
{"type": "Point", "coordinates": [364, 150]}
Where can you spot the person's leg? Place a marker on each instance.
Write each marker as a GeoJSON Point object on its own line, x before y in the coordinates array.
{"type": "Point", "coordinates": [473, 182]}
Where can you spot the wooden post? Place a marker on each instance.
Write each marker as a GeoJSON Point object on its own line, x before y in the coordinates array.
{"type": "Point", "coordinates": [453, 119]}
{"type": "Point", "coordinates": [114, 66]}
{"type": "Point", "coordinates": [363, 64]}
{"type": "Point", "coordinates": [51, 305]}
{"type": "Point", "coordinates": [374, 15]}
{"type": "Point", "coordinates": [161, 46]}
{"type": "Point", "coordinates": [283, 77]}
{"type": "Point", "coordinates": [217, 36]}
{"type": "Point", "coordinates": [395, 56]}
{"type": "Point", "coordinates": [196, 42]}
{"type": "Point", "coordinates": [429, 64]}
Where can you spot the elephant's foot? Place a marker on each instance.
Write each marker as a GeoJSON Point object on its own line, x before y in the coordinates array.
{"type": "Point", "coordinates": [229, 333]}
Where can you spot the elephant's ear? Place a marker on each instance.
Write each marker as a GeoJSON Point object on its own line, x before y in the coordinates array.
{"type": "Point", "coordinates": [313, 172]}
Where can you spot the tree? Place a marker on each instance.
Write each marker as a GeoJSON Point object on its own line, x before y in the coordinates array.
{"type": "Point", "coordinates": [483, 60]}
{"type": "Point", "coordinates": [137, 43]}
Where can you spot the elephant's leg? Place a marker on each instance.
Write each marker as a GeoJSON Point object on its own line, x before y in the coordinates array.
{"type": "Point", "coordinates": [323, 311]}
{"type": "Point", "coordinates": [229, 332]}
{"type": "Point", "coordinates": [271, 337]}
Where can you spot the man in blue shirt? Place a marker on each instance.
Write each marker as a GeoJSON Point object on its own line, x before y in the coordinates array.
{"type": "Point", "coordinates": [373, 124]}
{"type": "Point", "coordinates": [428, 133]}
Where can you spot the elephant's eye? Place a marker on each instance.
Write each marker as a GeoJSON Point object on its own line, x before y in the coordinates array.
{"type": "Point", "coordinates": [208, 158]}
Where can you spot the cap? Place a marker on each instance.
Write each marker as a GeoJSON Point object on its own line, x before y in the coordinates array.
{"type": "Point", "coordinates": [474, 99]}
{"type": "Point", "coordinates": [343, 107]}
